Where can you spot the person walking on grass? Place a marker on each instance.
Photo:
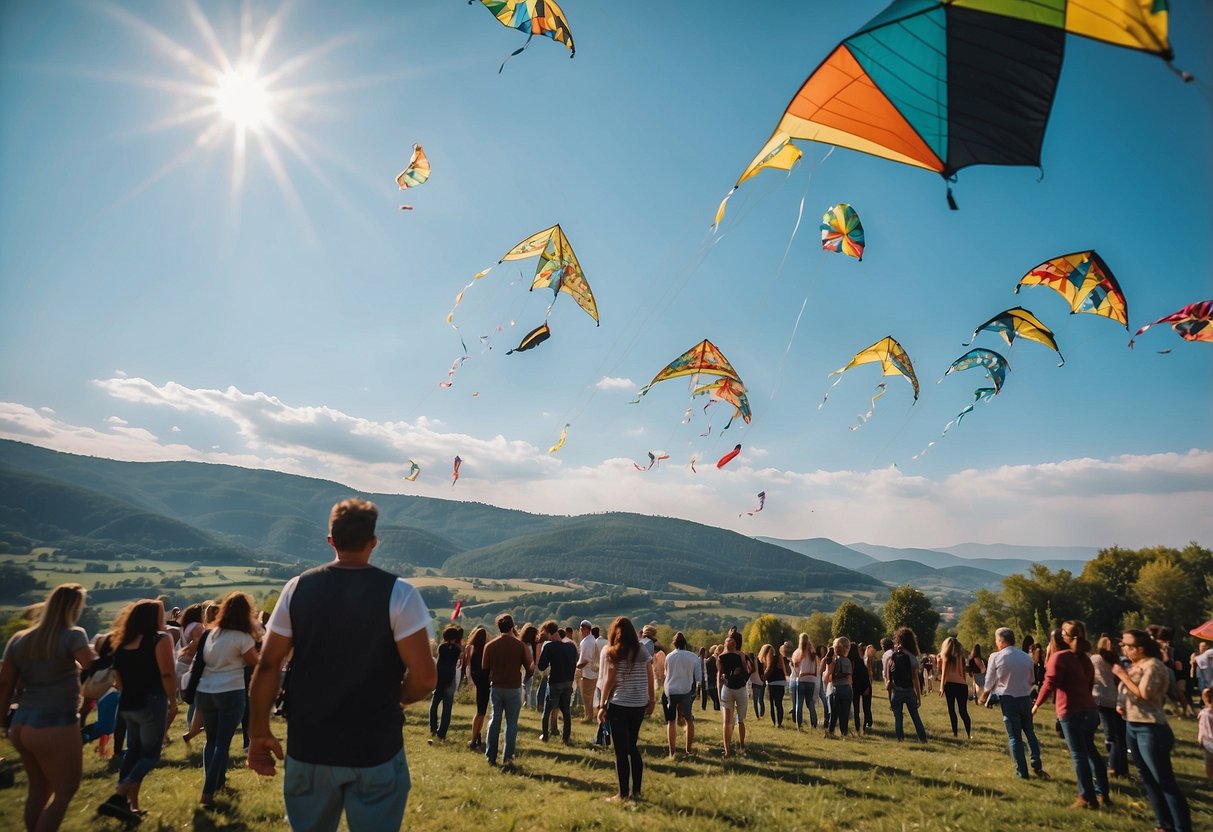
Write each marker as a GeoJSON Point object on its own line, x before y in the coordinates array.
{"type": "Point", "coordinates": [588, 663]}
{"type": "Point", "coordinates": [228, 649]}
{"type": "Point", "coordinates": [1204, 730]}
{"type": "Point", "coordinates": [1143, 688]}
{"type": "Point", "coordinates": [505, 660]}
{"type": "Point", "coordinates": [473, 663]}
{"type": "Point", "coordinates": [559, 659]}
{"type": "Point", "coordinates": [1104, 690]}
{"type": "Point", "coordinates": [840, 675]}
{"type": "Point", "coordinates": [976, 667]}
{"type": "Point", "coordinates": [1069, 677]}
{"type": "Point", "coordinates": [361, 643]}
{"type": "Point", "coordinates": [627, 697]}
{"type": "Point", "coordinates": [450, 653]}
{"type": "Point", "coordinates": [861, 683]}
{"type": "Point", "coordinates": [43, 663]}
{"type": "Point", "coordinates": [1011, 675]}
{"type": "Point", "coordinates": [734, 673]}
{"type": "Point", "coordinates": [683, 672]}
{"type": "Point", "coordinates": [954, 687]}
{"type": "Point", "coordinates": [903, 682]}
{"type": "Point", "coordinates": [775, 671]}
{"type": "Point", "coordinates": [806, 676]}
{"type": "Point", "coordinates": [144, 673]}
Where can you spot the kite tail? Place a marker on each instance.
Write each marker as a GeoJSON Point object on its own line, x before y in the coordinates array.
{"type": "Point", "coordinates": [518, 51]}
{"type": "Point", "coordinates": [1186, 77]}
{"type": "Point", "coordinates": [882, 388]}
{"type": "Point", "coordinates": [694, 459]}
{"type": "Point", "coordinates": [826, 398]}
{"type": "Point", "coordinates": [720, 210]}
{"type": "Point", "coordinates": [450, 376]}
{"type": "Point", "coordinates": [564, 434]}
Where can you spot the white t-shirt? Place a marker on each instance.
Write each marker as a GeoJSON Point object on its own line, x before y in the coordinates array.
{"type": "Point", "coordinates": [223, 654]}
{"type": "Point", "coordinates": [407, 612]}
{"type": "Point", "coordinates": [588, 653]}
{"type": "Point", "coordinates": [1204, 668]}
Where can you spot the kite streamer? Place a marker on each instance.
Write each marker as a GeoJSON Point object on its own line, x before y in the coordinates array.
{"type": "Point", "coordinates": [455, 472]}
{"type": "Point", "coordinates": [654, 459]}
{"type": "Point", "coordinates": [762, 501]}
{"type": "Point", "coordinates": [564, 434]}
{"type": "Point", "coordinates": [727, 458]}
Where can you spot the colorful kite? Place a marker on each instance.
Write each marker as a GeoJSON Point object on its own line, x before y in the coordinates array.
{"type": "Point", "coordinates": [534, 17]}
{"type": "Point", "coordinates": [1019, 322]}
{"type": "Point", "coordinates": [415, 174]}
{"type": "Point", "coordinates": [944, 84]}
{"type": "Point", "coordinates": [702, 359]}
{"type": "Point", "coordinates": [455, 472]}
{"type": "Point", "coordinates": [1085, 281]}
{"type": "Point", "coordinates": [558, 267]}
{"type": "Point", "coordinates": [1193, 323]}
{"type": "Point", "coordinates": [762, 501]}
{"type": "Point", "coordinates": [894, 361]}
{"type": "Point", "coordinates": [564, 434]}
{"type": "Point", "coordinates": [414, 471]}
{"type": "Point", "coordinates": [655, 457]}
{"type": "Point", "coordinates": [726, 390]}
{"type": "Point", "coordinates": [727, 458]}
{"type": "Point", "coordinates": [458, 609]}
{"type": "Point", "coordinates": [842, 231]}
{"type": "Point", "coordinates": [995, 365]}
{"type": "Point", "coordinates": [533, 339]}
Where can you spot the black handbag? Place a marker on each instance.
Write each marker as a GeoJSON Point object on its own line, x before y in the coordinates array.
{"type": "Point", "coordinates": [196, 670]}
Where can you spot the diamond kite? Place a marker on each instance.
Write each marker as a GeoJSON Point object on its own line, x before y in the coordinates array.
{"type": "Point", "coordinates": [894, 362]}
{"type": "Point", "coordinates": [535, 17]}
{"type": "Point", "coordinates": [841, 231]}
{"type": "Point", "coordinates": [1193, 323]}
{"type": "Point", "coordinates": [702, 359]}
{"type": "Point", "coordinates": [726, 390]}
{"type": "Point", "coordinates": [1085, 281]}
{"type": "Point", "coordinates": [944, 84]}
{"type": "Point", "coordinates": [1019, 322]}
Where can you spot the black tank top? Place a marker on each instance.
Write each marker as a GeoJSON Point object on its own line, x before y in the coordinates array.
{"type": "Point", "coordinates": [139, 673]}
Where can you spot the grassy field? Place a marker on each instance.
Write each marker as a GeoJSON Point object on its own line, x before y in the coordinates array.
{"type": "Point", "coordinates": [787, 781]}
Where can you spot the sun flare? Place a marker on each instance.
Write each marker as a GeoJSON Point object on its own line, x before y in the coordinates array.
{"type": "Point", "coordinates": [242, 99]}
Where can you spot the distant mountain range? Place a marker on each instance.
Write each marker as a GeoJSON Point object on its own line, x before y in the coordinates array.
{"type": "Point", "coordinates": [961, 569]}
{"type": "Point", "coordinates": [101, 508]}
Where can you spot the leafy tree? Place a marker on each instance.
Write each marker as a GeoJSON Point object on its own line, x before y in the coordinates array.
{"type": "Point", "coordinates": [765, 629]}
{"type": "Point", "coordinates": [907, 607]}
{"type": "Point", "coordinates": [1168, 595]}
{"type": "Point", "coordinates": [979, 620]}
{"type": "Point", "coordinates": [819, 626]}
{"type": "Point", "coordinates": [857, 623]}
{"type": "Point", "coordinates": [1107, 580]}
{"type": "Point", "coordinates": [1040, 591]}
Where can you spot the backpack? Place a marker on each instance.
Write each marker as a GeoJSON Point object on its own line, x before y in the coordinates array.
{"type": "Point", "coordinates": [902, 672]}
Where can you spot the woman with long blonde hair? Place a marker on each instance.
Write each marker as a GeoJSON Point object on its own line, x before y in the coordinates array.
{"type": "Point", "coordinates": [805, 679]}
{"type": "Point", "coordinates": [953, 685]}
{"type": "Point", "coordinates": [45, 660]}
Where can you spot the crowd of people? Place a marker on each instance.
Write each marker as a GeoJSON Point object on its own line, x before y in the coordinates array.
{"type": "Point", "coordinates": [231, 667]}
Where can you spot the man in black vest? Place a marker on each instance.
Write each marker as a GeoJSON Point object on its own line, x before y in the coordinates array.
{"type": "Point", "coordinates": [361, 641]}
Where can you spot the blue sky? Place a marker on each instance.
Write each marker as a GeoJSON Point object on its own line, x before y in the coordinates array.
{"type": "Point", "coordinates": [152, 309]}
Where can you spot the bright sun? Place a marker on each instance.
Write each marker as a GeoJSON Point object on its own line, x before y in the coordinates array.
{"type": "Point", "coordinates": [242, 98]}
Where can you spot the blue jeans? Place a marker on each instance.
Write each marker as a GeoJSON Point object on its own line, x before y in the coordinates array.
{"type": "Point", "coordinates": [506, 702]}
{"type": "Point", "coordinates": [1150, 746]}
{"type": "Point", "coordinates": [373, 798]}
{"type": "Point", "coordinates": [1114, 736]}
{"type": "Point", "coordinates": [144, 739]}
{"type": "Point", "coordinates": [221, 715]}
{"type": "Point", "coordinates": [1017, 718]}
{"type": "Point", "coordinates": [444, 694]}
{"type": "Point", "coordinates": [804, 692]}
{"type": "Point", "coordinates": [840, 709]}
{"type": "Point", "coordinates": [757, 693]}
{"type": "Point", "coordinates": [905, 698]}
{"type": "Point", "coordinates": [1079, 730]}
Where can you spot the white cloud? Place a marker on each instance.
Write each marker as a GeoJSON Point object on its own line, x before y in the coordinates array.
{"type": "Point", "coordinates": [46, 410]}
{"type": "Point", "coordinates": [117, 420]}
{"type": "Point", "coordinates": [1131, 500]}
{"type": "Point", "coordinates": [609, 383]}
{"type": "Point", "coordinates": [176, 429]}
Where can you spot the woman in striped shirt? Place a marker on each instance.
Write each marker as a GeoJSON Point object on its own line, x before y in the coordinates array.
{"type": "Point", "coordinates": [627, 697]}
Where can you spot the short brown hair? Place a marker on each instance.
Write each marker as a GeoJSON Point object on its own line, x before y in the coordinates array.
{"type": "Point", "coordinates": [505, 622]}
{"type": "Point", "coordinates": [352, 524]}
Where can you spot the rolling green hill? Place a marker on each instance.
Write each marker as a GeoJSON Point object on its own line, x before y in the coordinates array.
{"type": "Point", "coordinates": [243, 515]}
{"type": "Point", "coordinates": [650, 552]}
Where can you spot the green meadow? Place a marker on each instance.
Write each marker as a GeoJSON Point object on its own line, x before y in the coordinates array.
{"type": "Point", "coordinates": [788, 780]}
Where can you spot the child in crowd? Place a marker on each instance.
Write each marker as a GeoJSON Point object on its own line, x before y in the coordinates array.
{"type": "Point", "coordinates": [1204, 733]}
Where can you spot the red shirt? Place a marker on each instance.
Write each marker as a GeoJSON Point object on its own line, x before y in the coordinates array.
{"type": "Point", "coordinates": [1070, 676]}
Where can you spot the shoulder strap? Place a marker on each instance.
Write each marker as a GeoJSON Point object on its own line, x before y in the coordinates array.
{"type": "Point", "coordinates": [196, 669]}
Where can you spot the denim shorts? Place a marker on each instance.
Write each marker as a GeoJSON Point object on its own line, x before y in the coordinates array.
{"type": "Point", "coordinates": [44, 717]}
